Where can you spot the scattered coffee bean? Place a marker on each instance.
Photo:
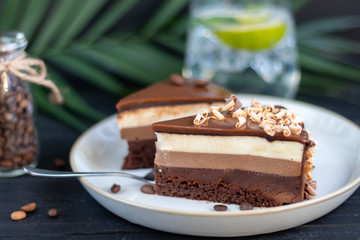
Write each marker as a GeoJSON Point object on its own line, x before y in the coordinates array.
{"type": "Point", "coordinates": [246, 206]}
{"type": "Point", "coordinates": [59, 163]}
{"type": "Point", "coordinates": [29, 207]}
{"type": "Point", "coordinates": [115, 188]}
{"type": "Point", "coordinates": [177, 79]}
{"type": "Point", "coordinates": [200, 83]}
{"type": "Point", "coordinates": [148, 189]}
{"type": "Point", "coordinates": [18, 215]}
{"type": "Point", "coordinates": [220, 208]}
{"type": "Point", "coordinates": [53, 212]}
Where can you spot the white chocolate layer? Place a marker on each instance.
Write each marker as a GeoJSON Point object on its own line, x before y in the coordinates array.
{"type": "Point", "coordinates": [240, 145]}
{"type": "Point", "coordinates": [147, 116]}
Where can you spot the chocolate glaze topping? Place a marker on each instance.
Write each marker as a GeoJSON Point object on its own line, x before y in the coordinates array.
{"type": "Point", "coordinates": [223, 128]}
{"type": "Point", "coordinates": [173, 92]}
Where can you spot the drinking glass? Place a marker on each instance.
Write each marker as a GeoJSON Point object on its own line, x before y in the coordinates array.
{"type": "Point", "coordinates": [247, 46]}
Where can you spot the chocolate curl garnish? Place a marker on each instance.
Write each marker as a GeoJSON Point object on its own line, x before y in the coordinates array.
{"type": "Point", "coordinates": [216, 112]}
{"type": "Point", "coordinates": [255, 103]}
{"type": "Point", "coordinates": [270, 108]}
{"type": "Point", "coordinates": [229, 106]}
{"type": "Point", "coordinates": [239, 113]}
{"type": "Point", "coordinates": [241, 122]}
{"type": "Point", "coordinates": [269, 129]}
{"type": "Point", "coordinates": [286, 122]}
{"type": "Point", "coordinates": [255, 117]}
{"type": "Point", "coordinates": [310, 188]}
{"type": "Point", "coordinates": [295, 128]}
{"type": "Point", "coordinates": [237, 102]}
{"type": "Point", "coordinates": [199, 119]}
{"type": "Point", "coordinates": [280, 115]}
{"type": "Point", "coordinates": [286, 131]}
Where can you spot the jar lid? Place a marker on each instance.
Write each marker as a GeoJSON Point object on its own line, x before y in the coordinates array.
{"type": "Point", "coordinates": [12, 43]}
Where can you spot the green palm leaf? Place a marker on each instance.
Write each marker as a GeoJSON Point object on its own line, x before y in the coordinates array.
{"type": "Point", "coordinates": [327, 67]}
{"type": "Point", "coordinates": [72, 99]}
{"type": "Point", "coordinates": [85, 11]}
{"type": "Point", "coordinates": [9, 12]}
{"type": "Point", "coordinates": [320, 27]}
{"type": "Point", "coordinates": [89, 73]}
{"type": "Point", "coordinates": [108, 19]}
{"type": "Point", "coordinates": [50, 29]}
{"type": "Point", "coordinates": [333, 45]}
{"type": "Point", "coordinates": [35, 10]}
{"type": "Point", "coordinates": [168, 10]}
{"type": "Point", "coordinates": [58, 112]}
{"type": "Point", "coordinates": [117, 64]}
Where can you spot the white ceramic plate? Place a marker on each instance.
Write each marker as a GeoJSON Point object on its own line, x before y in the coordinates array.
{"type": "Point", "coordinates": [337, 173]}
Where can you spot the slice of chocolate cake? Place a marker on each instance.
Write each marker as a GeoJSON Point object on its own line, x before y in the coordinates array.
{"type": "Point", "coordinates": [169, 99]}
{"type": "Point", "coordinates": [260, 155]}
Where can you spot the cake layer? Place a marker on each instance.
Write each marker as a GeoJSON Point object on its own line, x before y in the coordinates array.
{"type": "Point", "coordinates": [228, 161]}
{"type": "Point", "coordinates": [147, 115]}
{"type": "Point", "coordinates": [137, 133]}
{"type": "Point", "coordinates": [228, 186]}
{"type": "Point", "coordinates": [242, 145]}
{"type": "Point", "coordinates": [141, 154]}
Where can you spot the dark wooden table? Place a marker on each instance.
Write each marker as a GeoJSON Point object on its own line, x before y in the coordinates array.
{"type": "Point", "coordinates": [81, 217]}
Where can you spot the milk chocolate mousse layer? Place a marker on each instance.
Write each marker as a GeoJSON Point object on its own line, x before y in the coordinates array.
{"type": "Point", "coordinates": [173, 98]}
{"type": "Point", "coordinates": [261, 165]}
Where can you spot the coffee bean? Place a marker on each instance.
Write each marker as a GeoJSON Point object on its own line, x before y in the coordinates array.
{"type": "Point", "coordinates": [220, 208]}
{"type": "Point", "coordinates": [115, 188]}
{"type": "Point", "coordinates": [177, 79]}
{"type": "Point", "coordinates": [9, 117]}
{"type": "Point", "coordinates": [200, 83]}
{"type": "Point", "coordinates": [53, 212]}
{"type": "Point", "coordinates": [29, 207]}
{"type": "Point", "coordinates": [59, 163]}
{"type": "Point", "coordinates": [7, 164]}
{"type": "Point", "coordinates": [19, 97]}
{"type": "Point", "coordinates": [148, 189]}
{"type": "Point", "coordinates": [23, 104]}
{"type": "Point", "coordinates": [17, 159]}
{"type": "Point", "coordinates": [11, 100]}
{"type": "Point", "coordinates": [29, 156]}
{"type": "Point", "coordinates": [246, 206]}
{"type": "Point", "coordinates": [18, 215]}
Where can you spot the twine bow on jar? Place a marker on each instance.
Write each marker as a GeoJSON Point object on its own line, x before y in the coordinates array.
{"type": "Point", "coordinates": [31, 70]}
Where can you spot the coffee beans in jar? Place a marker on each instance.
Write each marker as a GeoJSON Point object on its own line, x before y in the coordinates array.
{"type": "Point", "coordinates": [18, 134]}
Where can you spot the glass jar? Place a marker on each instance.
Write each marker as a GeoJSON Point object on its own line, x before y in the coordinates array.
{"type": "Point", "coordinates": [247, 46]}
{"type": "Point", "coordinates": [18, 134]}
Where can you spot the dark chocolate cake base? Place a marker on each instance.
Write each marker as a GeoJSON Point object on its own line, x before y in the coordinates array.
{"type": "Point", "coordinates": [141, 155]}
{"type": "Point", "coordinates": [228, 186]}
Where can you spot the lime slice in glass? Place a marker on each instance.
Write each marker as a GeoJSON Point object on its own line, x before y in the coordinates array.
{"type": "Point", "coordinates": [257, 36]}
